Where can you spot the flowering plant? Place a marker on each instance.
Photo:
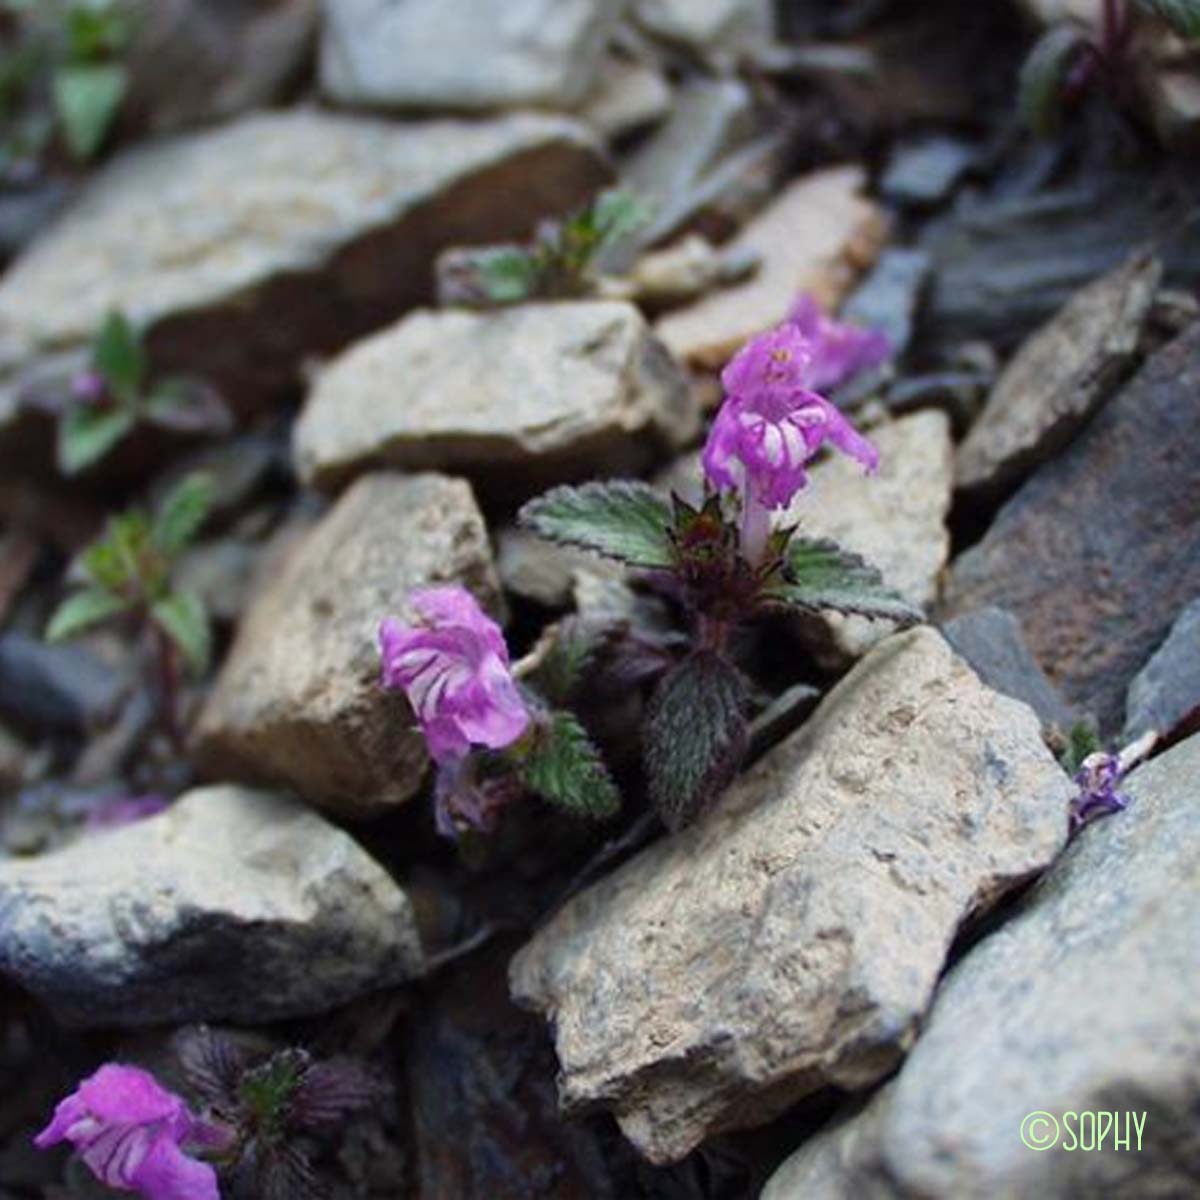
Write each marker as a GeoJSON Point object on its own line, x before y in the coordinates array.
{"type": "Point", "coordinates": [490, 738]}
{"type": "Point", "coordinates": [116, 393]}
{"type": "Point", "coordinates": [730, 558]}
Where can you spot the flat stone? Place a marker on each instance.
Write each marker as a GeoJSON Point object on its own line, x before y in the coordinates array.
{"type": "Point", "coordinates": [232, 905]}
{"type": "Point", "coordinates": [1084, 1001]}
{"type": "Point", "coordinates": [60, 689]}
{"type": "Point", "coordinates": [1099, 551]}
{"type": "Point", "coordinates": [522, 398]}
{"type": "Point", "coordinates": [1005, 263]}
{"type": "Point", "coordinates": [629, 95]}
{"type": "Point", "coordinates": [816, 237]}
{"type": "Point", "coordinates": [280, 236]}
{"type": "Point", "coordinates": [720, 31]}
{"type": "Point", "coordinates": [709, 119]}
{"type": "Point", "coordinates": [1059, 377]}
{"type": "Point", "coordinates": [732, 969]}
{"type": "Point", "coordinates": [427, 54]}
{"type": "Point", "coordinates": [889, 297]}
{"type": "Point", "coordinates": [198, 61]}
{"type": "Point", "coordinates": [298, 700]}
{"type": "Point", "coordinates": [991, 641]}
{"type": "Point", "coordinates": [551, 575]}
{"type": "Point", "coordinates": [1166, 691]}
{"type": "Point", "coordinates": [924, 173]}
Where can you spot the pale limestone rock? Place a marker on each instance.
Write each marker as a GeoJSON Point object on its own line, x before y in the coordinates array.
{"type": "Point", "coordinates": [818, 236]}
{"type": "Point", "coordinates": [232, 905]}
{"type": "Point", "coordinates": [298, 700]}
{"type": "Point", "coordinates": [517, 399]}
{"type": "Point", "coordinates": [1084, 1001]}
{"type": "Point", "coordinates": [794, 936]}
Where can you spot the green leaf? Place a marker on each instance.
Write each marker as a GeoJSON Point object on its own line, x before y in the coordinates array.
{"type": "Point", "coordinates": [81, 611]}
{"type": "Point", "coordinates": [118, 356]}
{"type": "Point", "coordinates": [508, 274]}
{"type": "Point", "coordinates": [624, 520]}
{"type": "Point", "coordinates": [182, 618]}
{"type": "Point", "coordinates": [87, 99]}
{"type": "Point", "coordinates": [119, 558]}
{"type": "Point", "coordinates": [573, 645]}
{"type": "Point", "coordinates": [565, 769]}
{"type": "Point", "coordinates": [182, 513]}
{"type": "Point", "coordinates": [616, 214]}
{"type": "Point", "coordinates": [1041, 90]}
{"type": "Point", "coordinates": [1082, 740]}
{"type": "Point", "coordinates": [1183, 16]}
{"type": "Point", "coordinates": [86, 435]}
{"type": "Point", "coordinates": [820, 576]}
{"type": "Point", "coordinates": [695, 735]}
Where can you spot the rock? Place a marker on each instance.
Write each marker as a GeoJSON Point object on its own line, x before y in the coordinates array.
{"type": "Point", "coordinates": [196, 61]}
{"type": "Point", "coordinates": [426, 54]}
{"type": "Point", "coordinates": [62, 689]}
{"type": "Point", "coordinates": [734, 968]}
{"type": "Point", "coordinates": [298, 700]}
{"type": "Point", "coordinates": [221, 573]}
{"type": "Point", "coordinates": [816, 237]}
{"type": "Point", "coordinates": [710, 118]}
{"type": "Point", "coordinates": [279, 236]}
{"type": "Point", "coordinates": [1005, 263]}
{"type": "Point", "coordinates": [720, 31]}
{"type": "Point", "coordinates": [1098, 552]}
{"type": "Point", "coordinates": [925, 172]}
{"type": "Point", "coordinates": [13, 759]}
{"type": "Point", "coordinates": [629, 95]}
{"type": "Point", "coordinates": [517, 399]}
{"type": "Point", "coordinates": [896, 520]}
{"type": "Point", "coordinates": [548, 574]}
{"type": "Point", "coordinates": [231, 905]}
{"type": "Point", "coordinates": [1166, 691]}
{"type": "Point", "coordinates": [888, 298]}
{"type": "Point", "coordinates": [26, 211]}
{"type": "Point", "coordinates": [1084, 1001]}
{"type": "Point", "coordinates": [1173, 101]}
{"type": "Point", "coordinates": [991, 641]}
{"type": "Point", "coordinates": [1059, 377]}
{"type": "Point", "coordinates": [679, 273]}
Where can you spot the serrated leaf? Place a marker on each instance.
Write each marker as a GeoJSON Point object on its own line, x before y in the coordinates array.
{"type": "Point", "coordinates": [820, 576]}
{"type": "Point", "coordinates": [1183, 16]}
{"type": "Point", "coordinates": [625, 520]}
{"type": "Point", "coordinates": [81, 611]}
{"type": "Point", "coordinates": [695, 736]}
{"type": "Point", "coordinates": [86, 435]}
{"type": "Point", "coordinates": [117, 354]}
{"type": "Point", "coordinates": [87, 99]}
{"type": "Point", "coordinates": [182, 513]}
{"type": "Point", "coordinates": [1041, 91]}
{"type": "Point", "coordinates": [182, 618]}
{"type": "Point", "coordinates": [565, 769]}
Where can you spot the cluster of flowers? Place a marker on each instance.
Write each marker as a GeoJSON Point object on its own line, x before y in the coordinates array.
{"type": "Point", "coordinates": [453, 664]}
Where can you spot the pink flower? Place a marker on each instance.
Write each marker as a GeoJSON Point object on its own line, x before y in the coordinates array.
{"type": "Point", "coordinates": [454, 670]}
{"type": "Point", "coordinates": [770, 427]}
{"type": "Point", "coordinates": [839, 351]}
{"type": "Point", "coordinates": [130, 1132]}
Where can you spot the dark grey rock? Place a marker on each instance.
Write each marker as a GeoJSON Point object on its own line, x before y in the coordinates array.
{"type": "Point", "coordinates": [55, 688]}
{"type": "Point", "coordinates": [923, 173]}
{"type": "Point", "coordinates": [990, 639]}
{"type": "Point", "coordinates": [1100, 550]}
{"type": "Point", "coordinates": [1084, 1001]}
{"type": "Point", "coordinates": [1167, 690]}
{"type": "Point", "coordinates": [890, 295]}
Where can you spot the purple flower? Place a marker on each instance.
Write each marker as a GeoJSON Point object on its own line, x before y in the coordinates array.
{"type": "Point", "coordinates": [839, 351]}
{"type": "Point", "coordinates": [131, 1133]}
{"type": "Point", "coordinates": [89, 388]}
{"type": "Point", "coordinates": [770, 427]}
{"type": "Point", "coordinates": [454, 670]}
{"type": "Point", "coordinates": [1098, 778]}
{"type": "Point", "coordinates": [114, 812]}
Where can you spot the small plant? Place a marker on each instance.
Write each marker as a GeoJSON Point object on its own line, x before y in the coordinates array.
{"type": "Point", "coordinates": [1068, 61]}
{"type": "Point", "coordinates": [251, 1138]}
{"type": "Point", "coordinates": [1099, 774]}
{"type": "Point", "coordinates": [492, 739]}
{"type": "Point", "coordinates": [127, 574]}
{"type": "Point", "coordinates": [75, 48]}
{"type": "Point", "coordinates": [106, 402]}
{"type": "Point", "coordinates": [558, 264]}
{"type": "Point", "coordinates": [727, 559]}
